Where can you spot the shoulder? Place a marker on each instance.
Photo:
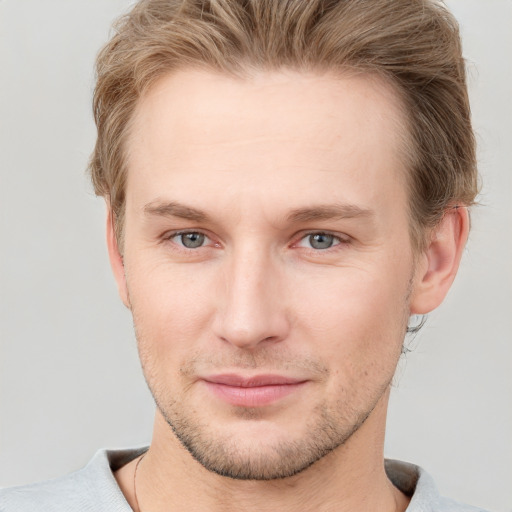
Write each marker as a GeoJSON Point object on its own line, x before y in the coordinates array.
{"type": "Point", "coordinates": [419, 485]}
{"type": "Point", "coordinates": [91, 488]}
{"type": "Point", "coordinates": [447, 505]}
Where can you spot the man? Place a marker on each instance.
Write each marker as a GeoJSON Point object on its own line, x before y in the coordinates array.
{"type": "Point", "coordinates": [287, 183]}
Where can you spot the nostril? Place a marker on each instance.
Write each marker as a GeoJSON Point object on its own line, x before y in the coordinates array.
{"type": "Point", "coordinates": [248, 339]}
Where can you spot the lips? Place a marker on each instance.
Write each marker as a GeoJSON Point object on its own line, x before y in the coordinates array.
{"type": "Point", "coordinates": [255, 391]}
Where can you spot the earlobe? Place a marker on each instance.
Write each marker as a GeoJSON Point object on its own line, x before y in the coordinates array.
{"type": "Point", "coordinates": [116, 259]}
{"type": "Point", "coordinates": [439, 263]}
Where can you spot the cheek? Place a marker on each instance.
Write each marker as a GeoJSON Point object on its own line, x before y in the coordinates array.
{"type": "Point", "coordinates": [358, 330]}
{"type": "Point", "coordinates": [354, 314]}
{"type": "Point", "coordinates": [170, 309]}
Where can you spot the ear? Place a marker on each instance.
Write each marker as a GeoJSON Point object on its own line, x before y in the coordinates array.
{"type": "Point", "coordinates": [116, 259]}
{"type": "Point", "coordinates": [440, 261]}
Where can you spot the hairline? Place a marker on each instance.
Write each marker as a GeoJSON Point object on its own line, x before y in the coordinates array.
{"type": "Point", "coordinates": [388, 85]}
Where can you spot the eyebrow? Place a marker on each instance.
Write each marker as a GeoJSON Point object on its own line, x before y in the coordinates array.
{"type": "Point", "coordinates": [298, 215]}
{"type": "Point", "coordinates": [173, 209]}
{"type": "Point", "coordinates": [329, 212]}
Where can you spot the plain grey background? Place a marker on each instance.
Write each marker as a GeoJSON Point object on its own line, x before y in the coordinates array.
{"type": "Point", "coordinates": [69, 374]}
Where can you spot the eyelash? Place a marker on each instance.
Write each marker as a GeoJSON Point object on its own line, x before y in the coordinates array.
{"type": "Point", "coordinates": [341, 240]}
{"type": "Point", "coordinates": [170, 236]}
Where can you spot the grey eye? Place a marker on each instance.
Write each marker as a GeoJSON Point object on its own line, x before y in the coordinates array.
{"type": "Point", "coordinates": [192, 240]}
{"type": "Point", "coordinates": [321, 240]}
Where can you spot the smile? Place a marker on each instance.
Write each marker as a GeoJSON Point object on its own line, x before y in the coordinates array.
{"type": "Point", "coordinates": [256, 391]}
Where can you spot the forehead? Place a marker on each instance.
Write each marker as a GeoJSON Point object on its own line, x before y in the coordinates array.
{"type": "Point", "coordinates": [288, 135]}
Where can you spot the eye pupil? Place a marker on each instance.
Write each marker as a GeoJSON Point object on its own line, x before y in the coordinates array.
{"type": "Point", "coordinates": [192, 240]}
{"type": "Point", "coordinates": [321, 240]}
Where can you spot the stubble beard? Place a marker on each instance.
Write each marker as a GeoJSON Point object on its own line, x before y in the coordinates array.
{"type": "Point", "coordinates": [329, 427]}
{"type": "Point", "coordinates": [286, 458]}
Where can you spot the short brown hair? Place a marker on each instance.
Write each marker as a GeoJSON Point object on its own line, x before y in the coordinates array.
{"type": "Point", "coordinates": [413, 43]}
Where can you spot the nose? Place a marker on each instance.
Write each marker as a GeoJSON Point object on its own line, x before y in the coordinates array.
{"type": "Point", "coordinates": [251, 309]}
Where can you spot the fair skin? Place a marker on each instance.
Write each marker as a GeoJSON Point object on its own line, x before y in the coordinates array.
{"type": "Point", "coordinates": [269, 269]}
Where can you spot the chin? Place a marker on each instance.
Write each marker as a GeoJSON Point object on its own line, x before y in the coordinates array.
{"type": "Point", "coordinates": [262, 451]}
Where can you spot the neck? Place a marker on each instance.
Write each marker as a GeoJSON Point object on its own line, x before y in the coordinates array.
{"type": "Point", "coordinates": [352, 477]}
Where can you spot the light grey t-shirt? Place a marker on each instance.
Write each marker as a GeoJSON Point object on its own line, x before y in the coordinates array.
{"type": "Point", "coordinates": [94, 488]}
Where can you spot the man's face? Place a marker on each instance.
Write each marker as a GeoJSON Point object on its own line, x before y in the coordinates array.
{"type": "Point", "coordinates": [268, 262]}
